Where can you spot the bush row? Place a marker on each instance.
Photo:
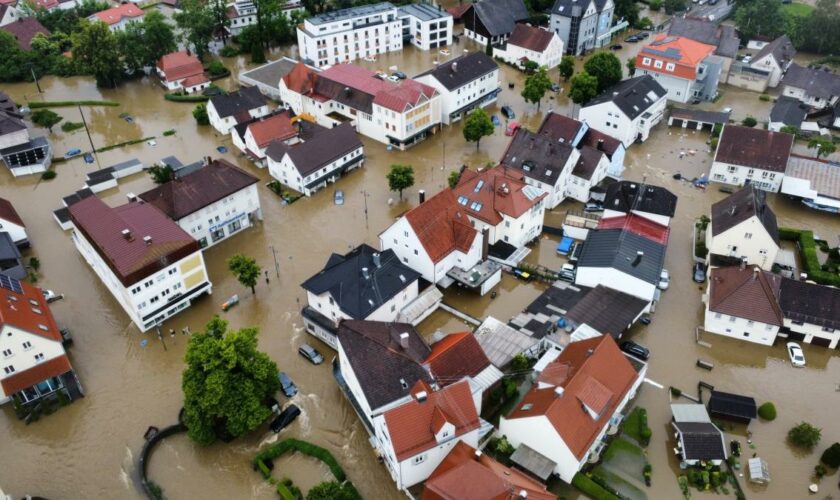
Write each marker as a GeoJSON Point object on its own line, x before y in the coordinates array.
{"type": "Point", "coordinates": [186, 98]}
{"type": "Point", "coordinates": [592, 489]}
{"type": "Point", "coordinates": [310, 449]}
{"type": "Point", "coordinates": [65, 104]}
{"type": "Point", "coordinates": [808, 251]}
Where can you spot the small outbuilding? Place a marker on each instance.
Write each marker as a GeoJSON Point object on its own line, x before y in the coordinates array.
{"type": "Point", "coordinates": [732, 407]}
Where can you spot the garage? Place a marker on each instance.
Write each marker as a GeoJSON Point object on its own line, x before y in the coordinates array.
{"type": "Point", "coordinates": [692, 125]}
{"type": "Point", "coordinates": [796, 336]}
{"type": "Point", "coordinates": [676, 122]}
{"type": "Point", "coordinates": [696, 119]}
{"type": "Point", "coordinates": [821, 341]}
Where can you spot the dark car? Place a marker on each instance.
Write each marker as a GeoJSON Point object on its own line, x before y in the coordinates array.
{"type": "Point", "coordinates": [632, 39]}
{"type": "Point", "coordinates": [508, 113]}
{"type": "Point", "coordinates": [88, 158]}
{"type": "Point", "coordinates": [645, 319]}
{"type": "Point", "coordinates": [400, 75]}
{"type": "Point", "coordinates": [309, 352]}
{"type": "Point", "coordinates": [643, 35]}
{"type": "Point", "coordinates": [286, 385]}
{"type": "Point", "coordinates": [617, 46]}
{"type": "Point", "coordinates": [285, 418]}
{"type": "Point", "coordinates": [555, 87]}
{"type": "Point", "coordinates": [635, 349]}
{"type": "Point", "coordinates": [699, 274]}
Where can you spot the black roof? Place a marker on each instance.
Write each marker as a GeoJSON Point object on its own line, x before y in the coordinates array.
{"type": "Point", "coordinates": [618, 249]}
{"type": "Point", "coordinates": [606, 310]}
{"type": "Point", "coordinates": [700, 30]}
{"type": "Point", "coordinates": [815, 82]}
{"type": "Point", "coordinates": [384, 369]}
{"type": "Point", "coordinates": [322, 148]}
{"type": "Point", "coordinates": [740, 206]}
{"type": "Point", "coordinates": [732, 405]}
{"type": "Point", "coordinates": [357, 296]}
{"type": "Point", "coordinates": [537, 156]}
{"type": "Point", "coordinates": [701, 115]}
{"type": "Point", "coordinates": [632, 96]}
{"type": "Point", "coordinates": [10, 122]}
{"type": "Point", "coordinates": [462, 70]}
{"type": "Point", "coordinates": [789, 111]}
{"type": "Point", "coordinates": [701, 441]}
{"type": "Point", "coordinates": [569, 8]}
{"type": "Point", "coordinates": [245, 99]}
{"type": "Point", "coordinates": [781, 48]}
{"type": "Point", "coordinates": [587, 162]}
{"type": "Point", "coordinates": [562, 296]}
{"type": "Point", "coordinates": [815, 304]}
{"type": "Point", "coordinates": [500, 16]}
{"type": "Point", "coordinates": [624, 197]}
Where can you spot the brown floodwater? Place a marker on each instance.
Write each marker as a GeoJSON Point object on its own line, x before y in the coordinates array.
{"type": "Point", "coordinates": [90, 448]}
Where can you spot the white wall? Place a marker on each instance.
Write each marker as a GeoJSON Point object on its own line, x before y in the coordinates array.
{"type": "Point", "coordinates": [607, 118]}
{"type": "Point", "coordinates": [16, 232]}
{"type": "Point", "coordinates": [736, 175]}
{"type": "Point", "coordinates": [615, 279]}
{"type": "Point", "coordinates": [768, 63]}
{"type": "Point", "coordinates": [679, 89]}
{"type": "Point", "coordinates": [320, 42]}
{"type": "Point", "coordinates": [579, 188]}
{"type": "Point", "coordinates": [287, 172]}
{"type": "Point", "coordinates": [550, 57]}
{"type": "Point", "coordinates": [222, 216]}
{"type": "Point", "coordinates": [814, 102]}
{"type": "Point", "coordinates": [421, 32]}
{"type": "Point", "coordinates": [23, 358]}
{"type": "Point", "coordinates": [539, 434]}
{"type": "Point", "coordinates": [469, 95]}
{"type": "Point", "coordinates": [748, 240]}
{"type": "Point", "coordinates": [739, 328]}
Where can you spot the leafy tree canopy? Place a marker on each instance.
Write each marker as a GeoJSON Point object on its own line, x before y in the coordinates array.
{"type": "Point", "coordinates": [400, 177]}
{"type": "Point", "coordinates": [477, 125]}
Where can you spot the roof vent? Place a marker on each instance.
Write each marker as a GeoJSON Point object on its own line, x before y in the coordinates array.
{"type": "Point", "coordinates": [404, 340]}
{"type": "Point", "coordinates": [638, 259]}
{"type": "Point", "coordinates": [126, 233]}
{"type": "Point", "coordinates": [147, 240]}
{"type": "Point", "coordinates": [422, 396]}
{"type": "Point", "coordinates": [478, 454]}
{"type": "Point", "coordinates": [366, 273]}
{"type": "Point", "coordinates": [454, 67]}
{"type": "Point", "coordinates": [558, 391]}
{"type": "Point", "coordinates": [523, 494]}
{"type": "Point", "coordinates": [403, 383]}
{"type": "Point", "coordinates": [376, 260]}
{"type": "Point", "coordinates": [131, 197]}
{"type": "Point", "coordinates": [402, 278]}
{"type": "Point", "coordinates": [590, 352]}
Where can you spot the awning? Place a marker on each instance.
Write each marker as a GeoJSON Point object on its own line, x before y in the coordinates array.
{"type": "Point", "coordinates": [532, 461]}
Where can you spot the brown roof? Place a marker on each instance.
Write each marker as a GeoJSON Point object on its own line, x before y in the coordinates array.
{"type": "Point", "coordinates": [28, 311]}
{"type": "Point", "coordinates": [560, 127]}
{"type": "Point", "coordinates": [748, 293]}
{"type": "Point", "coordinates": [458, 10]}
{"type": "Point", "coordinates": [441, 226]}
{"type": "Point", "coordinates": [754, 147]}
{"type": "Point", "coordinates": [24, 30]}
{"type": "Point", "coordinates": [456, 356]}
{"type": "Point", "coordinates": [180, 65]}
{"type": "Point", "coordinates": [464, 476]}
{"type": "Point", "coordinates": [131, 259]}
{"type": "Point", "coordinates": [54, 367]}
{"type": "Point", "coordinates": [530, 37]}
{"type": "Point", "coordinates": [301, 79]}
{"type": "Point", "coordinates": [411, 425]}
{"type": "Point", "coordinates": [8, 213]}
{"type": "Point", "coordinates": [325, 146]}
{"type": "Point", "coordinates": [599, 140]}
{"type": "Point", "coordinates": [276, 127]}
{"type": "Point", "coordinates": [491, 193]}
{"type": "Point", "coordinates": [740, 206]}
{"type": "Point", "coordinates": [587, 163]}
{"type": "Point", "coordinates": [600, 376]}
{"type": "Point", "coordinates": [188, 194]}
{"type": "Point", "coordinates": [192, 81]}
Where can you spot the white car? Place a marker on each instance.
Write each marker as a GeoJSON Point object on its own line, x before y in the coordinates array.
{"type": "Point", "coordinates": [664, 279]}
{"type": "Point", "coordinates": [797, 357]}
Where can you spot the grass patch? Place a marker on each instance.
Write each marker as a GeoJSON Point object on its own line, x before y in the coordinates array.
{"type": "Point", "coordinates": [636, 426]}
{"type": "Point", "coordinates": [613, 482]}
{"type": "Point", "coordinates": [167, 133]}
{"type": "Point", "coordinates": [186, 98]}
{"type": "Point", "coordinates": [71, 126]}
{"type": "Point", "coordinates": [67, 104]}
{"type": "Point", "coordinates": [122, 144]}
{"type": "Point", "coordinates": [797, 9]}
{"type": "Point", "coordinates": [621, 446]}
{"type": "Point", "coordinates": [592, 489]}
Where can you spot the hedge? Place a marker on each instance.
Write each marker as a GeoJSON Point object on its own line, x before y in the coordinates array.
{"type": "Point", "coordinates": [310, 449]}
{"type": "Point", "coordinates": [66, 104]}
{"type": "Point", "coordinates": [126, 143]}
{"type": "Point", "coordinates": [186, 98]}
{"type": "Point", "coordinates": [592, 489]}
{"type": "Point", "coordinates": [808, 251]}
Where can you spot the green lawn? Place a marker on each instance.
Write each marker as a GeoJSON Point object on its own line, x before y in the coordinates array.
{"type": "Point", "coordinates": [625, 457]}
{"type": "Point", "coordinates": [619, 484]}
{"type": "Point", "coordinates": [631, 425]}
{"type": "Point", "coordinates": [797, 9]}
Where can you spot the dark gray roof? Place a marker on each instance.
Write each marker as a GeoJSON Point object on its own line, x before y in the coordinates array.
{"type": "Point", "coordinates": [701, 115]}
{"type": "Point", "coordinates": [343, 278]}
{"type": "Point", "coordinates": [500, 16]}
{"type": "Point", "coordinates": [789, 111]}
{"type": "Point", "coordinates": [587, 162]}
{"type": "Point", "coordinates": [606, 310]}
{"type": "Point", "coordinates": [701, 441]}
{"type": "Point", "coordinates": [569, 8]}
{"type": "Point", "coordinates": [321, 149]}
{"type": "Point", "coordinates": [537, 156]}
{"type": "Point", "coordinates": [8, 105]}
{"type": "Point", "coordinates": [618, 249]}
{"type": "Point", "coordinates": [726, 404]}
{"type": "Point", "coordinates": [10, 122]}
{"type": "Point", "coordinates": [561, 296]}
{"type": "Point", "coordinates": [809, 303]}
{"type": "Point", "coordinates": [754, 148]}
{"type": "Point", "coordinates": [633, 96]}
{"type": "Point", "coordinates": [782, 50]}
{"type": "Point", "coordinates": [11, 264]}
{"type": "Point", "coordinates": [384, 369]}
{"type": "Point", "coordinates": [624, 197]}
{"type": "Point", "coordinates": [740, 206]}
{"type": "Point", "coordinates": [271, 73]}
{"type": "Point", "coordinates": [815, 82]}
{"type": "Point", "coordinates": [462, 70]}
{"type": "Point", "coordinates": [701, 30]}
{"type": "Point", "coordinates": [243, 100]}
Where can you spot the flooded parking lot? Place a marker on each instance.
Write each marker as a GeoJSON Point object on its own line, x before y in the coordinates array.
{"type": "Point", "coordinates": [89, 449]}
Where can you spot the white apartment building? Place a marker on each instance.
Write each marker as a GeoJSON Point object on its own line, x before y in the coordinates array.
{"type": "Point", "coordinates": [687, 69]}
{"type": "Point", "coordinates": [464, 83]}
{"type": "Point", "coordinates": [228, 110]}
{"type": "Point", "coordinates": [751, 155]}
{"type": "Point", "coordinates": [628, 110]}
{"type": "Point", "coordinates": [531, 44]}
{"type": "Point", "coordinates": [425, 26]}
{"type": "Point", "coordinates": [544, 163]}
{"type": "Point", "coordinates": [242, 13]}
{"type": "Point", "coordinates": [349, 34]}
{"type": "Point", "coordinates": [151, 266]}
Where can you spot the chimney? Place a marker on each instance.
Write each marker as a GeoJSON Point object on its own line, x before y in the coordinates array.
{"type": "Point", "coordinates": [366, 273]}
{"type": "Point", "coordinates": [131, 197]}
{"type": "Point", "coordinates": [600, 144]}
{"type": "Point", "coordinates": [147, 240]}
{"type": "Point", "coordinates": [638, 258]}
{"type": "Point", "coordinates": [377, 261]}
{"type": "Point", "coordinates": [404, 340]}
{"type": "Point", "coordinates": [485, 243]}
{"type": "Point", "coordinates": [743, 264]}
{"type": "Point", "coordinates": [755, 273]}
{"type": "Point", "coordinates": [421, 396]}
{"type": "Point", "coordinates": [126, 233]}
{"type": "Point", "coordinates": [478, 454]}
{"type": "Point", "coordinates": [455, 67]}
{"type": "Point", "coordinates": [590, 352]}
{"type": "Point", "coordinates": [422, 195]}
{"type": "Point", "coordinates": [523, 494]}
{"type": "Point", "coordinates": [558, 391]}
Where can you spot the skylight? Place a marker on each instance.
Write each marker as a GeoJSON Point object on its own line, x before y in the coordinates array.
{"type": "Point", "coordinates": [463, 200]}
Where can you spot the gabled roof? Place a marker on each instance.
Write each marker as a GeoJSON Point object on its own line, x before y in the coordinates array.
{"type": "Point", "coordinates": [815, 82]}
{"type": "Point", "coordinates": [599, 140]}
{"type": "Point", "coordinates": [560, 128]}
{"type": "Point", "coordinates": [321, 149]}
{"type": "Point", "coordinates": [489, 194]}
{"type": "Point", "coordinates": [180, 65]}
{"type": "Point", "coordinates": [50, 368]}
{"type": "Point", "coordinates": [456, 356]}
{"type": "Point", "coordinates": [9, 214]}
{"type": "Point", "coordinates": [300, 79]}
{"type": "Point", "coordinates": [411, 425]}
{"type": "Point", "coordinates": [570, 8]}
{"type": "Point", "coordinates": [637, 224]}
{"type": "Point", "coordinates": [633, 96]}
{"type": "Point", "coordinates": [441, 226]}
{"type": "Point", "coordinates": [458, 11]}
{"type": "Point", "coordinates": [629, 196]}
{"type": "Point", "coordinates": [537, 156]}
{"type": "Point", "coordinates": [234, 103]}
{"type": "Point", "coordinates": [619, 249]}
{"type": "Point", "coordinates": [588, 162]}
{"type": "Point", "coordinates": [23, 306]}
{"type": "Point", "coordinates": [500, 16]}
{"type": "Point", "coordinates": [754, 147]}
{"type": "Point", "coordinates": [360, 88]}
{"type": "Point", "coordinates": [748, 293]}
{"type": "Point", "coordinates": [277, 127]}
{"type": "Point", "coordinates": [709, 32]}
{"type": "Point", "coordinates": [599, 377]}
{"type": "Point", "coordinates": [739, 207]}
{"type": "Point", "coordinates": [185, 195]}
{"type": "Point", "coordinates": [606, 310]}
{"type": "Point", "coordinates": [727, 404]}
{"type": "Point", "coordinates": [24, 30]}
{"type": "Point", "coordinates": [192, 81]}
{"type": "Point", "coordinates": [781, 49]}
{"type": "Point", "coordinates": [789, 111]}
{"type": "Point", "coordinates": [343, 277]}
{"type": "Point", "coordinates": [700, 441]}
{"type": "Point", "coordinates": [10, 122]}
{"type": "Point", "coordinates": [462, 70]}
{"type": "Point", "coordinates": [116, 14]}
{"type": "Point", "coordinates": [809, 303]}
{"type": "Point", "coordinates": [7, 105]}
{"type": "Point", "coordinates": [531, 37]}
{"type": "Point", "coordinates": [685, 53]}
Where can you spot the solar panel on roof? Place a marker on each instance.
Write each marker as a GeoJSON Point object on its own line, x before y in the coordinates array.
{"type": "Point", "coordinates": [10, 284]}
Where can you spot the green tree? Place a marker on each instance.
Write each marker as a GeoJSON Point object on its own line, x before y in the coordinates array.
{"type": "Point", "coordinates": [200, 114]}
{"type": "Point", "coordinates": [246, 270]}
{"type": "Point", "coordinates": [567, 67]}
{"type": "Point", "coordinates": [530, 66]}
{"type": "Point", "coordinates": [631, 66]}
{"type": "Point", "coordinates": [583, 88]}
{"type": "Point", "coordinates": [759, 17]}
{"type": "Point", "coordinates": [477, 125]}
{"type": "Point", "coordinates": [488, 49]}
{"type": "Point", "coordinates": [536, 86]}
{"type": "Point", "coordinates": [824, 147]}
{"type": "Point", "coordinates": [197, 24]}
{"type": "Point", "coordinates": [605, 67]}
{"type": "Point", "coordinates": [46, 118]}
{"type": "Point", "coordinates": [672, 6]}
{"type": "Point", "coordinates": [158, 36]}
{"type": "Point", "coordinates": [454, 178]}
{"type": "Point", "coordinates": [226, 383]}
{"type": "Point", "coordinates": [95, 49]}
{"type": "Point", "coordinates": [161, 175]}
{"type": "Point", "coordinates": [818, 30]}
{"type": "Point", "coordinates": [221, 22]}
{"type": "Point", "coordinates": [315, 6]}
{"type": "Point", "coordinates": [400, 177]}
{"type": "Point", "coordinates": [132, 47]}
{"type": "Point", "coordinates": [767, 411]}
{"type": "Point", "coordinates": [805, 435]}
{"type": "Point", "coordinates": [831, 456]}
{"type": "Point", "coordinates": [749, 122]}
{"type": "Point", "coordinates": [628, 9]}
{"type": "Point", "coordinates": [655, 5]}
{"type": "Point", "coordinates": [332, 490]}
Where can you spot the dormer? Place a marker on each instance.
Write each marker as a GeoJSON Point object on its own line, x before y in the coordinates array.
{"type": "Point", "coordinates": [443, 429]}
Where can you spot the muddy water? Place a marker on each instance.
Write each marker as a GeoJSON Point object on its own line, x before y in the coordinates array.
{"type": "Point", "coordinates": [89, 449]}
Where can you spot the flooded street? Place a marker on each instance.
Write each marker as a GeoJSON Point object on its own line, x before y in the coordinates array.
{"type": "Point", "coordinates": [89, 449]}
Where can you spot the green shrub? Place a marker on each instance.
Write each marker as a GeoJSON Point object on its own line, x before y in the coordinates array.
{"type": "Point", "coordinates": [186, 98]}
{"type": "Point", "coordinates": [71, 126]}
{"type": "Point", "coordinates": [713, 143]}
{"type": "Point", "coordinates": [655, 5]}
{"type": "Point", "coordinates": [767, 411]}
{"type": "Point", "coordinates": [749, 122]}
{"type": "Point", "coordinates": [592, 489]}
{"type": "Point", "coordinates": [789, 234]}
{"type": "Point", "coordinates": [764, 97]}
{"type": "Point", "coordinates": [520, 361]}
{"type": "Point", "coordinates": [700, 250]}
{"type": "Point", "coordinates": [676, 392]}
{"type": "Point", "coordinates": [820, 471]}
{"type": "Point", "coordinates": [65, 104]}
{"type": "Point", "coordinates": [646, 434]}
{"type": "Point", "coordinates": [216, 68]}
{"type": "Point", "coordinates": [266, 472]}
{"type": "Point", "coordinates": [503, 446]}
{"type": "Point", "coordinates": [805, 435]}
{"type": "Point", "coordinates": [309, 449]}
{"type": "Point", "coordinates": [167, 133]}
{"type": "Point", "coordinates": [716, 130]}
{"type": "Point", "coordinates": [831, 456]}
{"type": "Point", "coordinates": [48, 175]}
{"type": "Point", "coordinates": [201, 116]}
{"type": "Point", "coordinates": [126, 143]}
{"type": "Point", "coordinates": [229, 51]}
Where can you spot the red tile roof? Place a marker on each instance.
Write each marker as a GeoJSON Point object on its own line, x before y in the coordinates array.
{"type": "Point", "coordinates": [530, 37]}
{"type": "Point", "coordinates": [28, 311]}
{"type": "Point", "coordinates": [391, 95]}
{"type": "Point", "coordinates": [276, 127]}
{"type": "Point", "coordinates": [502, 192]}
{"type": "Point", "coordinates": [638, 225]}
{"type": "Point", "coordinates": [180, 65]}
{"type": "Point", "coordinates": [600, 376]}
{"type": "Point", "coordinates": [24, 30]}
{"type": "Point", "coordinates": [54, 367]}
{"type": "Point", "coordinates": [411, 424]}
{"type": "Point", "coordinates": [687, 55]}
{"type": "Point", "coordinates": [748, 293]}
{"type": "Point", "coordinates": [116, 14]}
{"type": "Point", "coordinates": [458, 10]}
{"type": "Point", "coordinates": [755, 148]}
{"type": "Point", "coordinates": [456, 356]}
{"type": "Point", "coordinates": [192, 81]}
{"type": "Point", "coordinates": [560, 127]}
{"type": "Point", "coordinates": [301, 79]}
{"type": "Point", "coordinates": [8, 212]}
{"type": "Point", "coordinates": [131, 259]}
{"type": "Point", "coordinates": [441, 226]}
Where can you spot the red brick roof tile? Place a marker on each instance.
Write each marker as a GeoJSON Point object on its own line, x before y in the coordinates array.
{"type": "Point", "coordinates": [746, 293]}
{"type": "Point", "coordinates": [47, 369]}
{"type": "Point", "coordinates": [501, 192]}
{"type": "Point", "coordinates": [456, 356]}
{"type": "Point", "coordinates": [276, 127]}
{"type": "Point", "coordinates": [530, 37]}
{"type": "Point", "coordinates": [28, 311]}
{"type": "Point", "coordinates": [8, 213]}
{"type": "Point", "coordinates": [688, 54]}
{"type": "Point", "coordinates": [180, 65]}
{"type": "Point", "coordinates": [441, 226]}
{"type": "Point", "coordinates": [25, 29]}
{"type": "Point", "coordinates": [639, 225]}
{"type": "Point", "coordinates": [116, 14]}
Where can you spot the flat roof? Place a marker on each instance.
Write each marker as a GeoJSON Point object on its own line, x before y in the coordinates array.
{"type": "Point", "coordinates": [423, 11]}
{"type": "Point", "coordinates": [823, 175]}
{"type": "Point", "coordinates": [352, 12]}
{"type": "Point", "coordinates": [532, 461]}
{"type": "Point", "coordinates": [700, 115]}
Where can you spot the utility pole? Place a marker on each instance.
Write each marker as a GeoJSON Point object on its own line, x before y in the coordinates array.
{"type": "Point", "coordinates": [92, 147]}
{"type": "Point", "coordinates": [276, 264]}
{"type": "Point", "coordinates": [365, 197]}
{"type": "Point", "coordinates": [31, 69]}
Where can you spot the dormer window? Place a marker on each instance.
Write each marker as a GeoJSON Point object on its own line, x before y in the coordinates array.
{"type": "Point", "coordinates": [646, 61]}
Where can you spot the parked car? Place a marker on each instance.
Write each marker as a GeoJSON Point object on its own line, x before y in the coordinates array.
{"type": "Point", "coordinates": [495, 120]}
{"type": "Point", "coordinates": [567, 272]}
{"type": "Point", "coordinates": [593, 207]}
{"type": "Point", "coordinates": [645, 319]}
{"type": "Point", "coordinates": [617, 46]}
{"type": "Point", "coordinates": [508, 113]}
{"type": "Point", "coordinates": [49, 295]}
{"type": "Point", "coordinates": [512, 127]}
{"type": "Point", "coordinates": [636, 350]}
{"type": "Point", "coordinates": [338, 198]}
{"type": "Point", "coordinates": [664, 279]}
{"type": "Point", "coordinates": [632, 39]}
{"type": "Point", "coordinates": [286, 417]}
{"type": "Point", "coordinates": [699, 272]}
{"type": "Point", "coordinates": [555, 87]}
{"type": "Point", "coordinates": [400, 75]}
{"type": "Point", "coordinates": [797, 357]}
{"type": "Point", "coordinates": [286, 385]}
{"type": "Point", "coordinates": [73, 152]}
{"type": "Point", "coordinates": [565, 245]}
{"type": "Point", "coordinates": [88, 158]}
{"type": "Point", "coordinates": [747, 59]}
{"type": "Point", "coordinates": [643, 35]}
{"type": "Point", "coordinates": [312, 355]}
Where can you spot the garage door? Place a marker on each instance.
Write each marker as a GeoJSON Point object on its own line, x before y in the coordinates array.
{"type": "Point", "coordinates": [820, 341]}
{"type": "Point", "coordinates": [678, 122]}
{"type": "Point", "coordinates": [692, 125]}
{"type": "Point", "coordinates": [797, 337]}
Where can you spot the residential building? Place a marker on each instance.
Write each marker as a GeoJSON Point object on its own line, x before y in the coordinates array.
{"type": "Point", "coordinates": [117, 18]}
{"type": "Point", "coordinates": [35, 365]}
{"type": "Point", "coordinates": [575, 401]}
{"type": "Point", "coordinates": [11, 261]}
{"type": "Point", "coordinates": [363, 284]}
{"type": "Point", "coordinates": [698, 439]}
{"type": "Point", "coordinates": [589, 171]}
{"type": "Point", "coordinates": [817, 88]}
{"type": "Point", "coordinates": [645, 200]}
{"type": "Point", "coordinates": [228, 110]}
{"type": "Point", "coordinates": [22, 154]}
{"type": "Point", "coordinates": [464, 83]}
{"type": "Point", "coordinates": [688, 70]}
{"type": "Point", "coordinates": [211, 204]}
{"type": "Point", "coordinates": [751, 155]}
{"type": "Point", "coordinates": [493, 21]}
{"type": "Point", "coordinates": [10, 13]}
{"type": "Point", "coordinates": [10, 222]}
{"type": "Point", "coordinates": [627, 110]}
{"type": "Point", "coordinates": [182, 71]}
{"type": "Point", "coordinates": [565, 129]}
{"type": "Point", "coordinates": [345, 35]}
{"type": "Point", "coordinates": [787, 112]}
{"type": "Point", "coordinates": [531, 44]}
{"type": "Point", "coordinates": [151, 266]}
{"type": "Point", "coordinates": [775, 58]}
{"type": "Point", "coordinates": [242, 13]}
{"type": "Point", "coordinates": [267, 77]}
{"type": "Point", "coordinates": [543, 162]}
{"type": "Point", "coordinates": [468, 474]}
{"type": "Point", "coordinates": [24, 30]}
{"type": "Point", "coordinates": [700, 29]}
{"type": "Point", "coordinates": [254, 137]}
{"type": "Point", "coordinates": [742, 302]}
{"type": "Point", "coordinates": [816, 182]}
{"type": "Point", "coordinates": [308, 166]}
{"type": "Point", "coordinates": [584, 25]}
{"type": "Point", "coordinates": [425, 26]}
{"type": "Point", "coordinates": [743, 229]}
{"type": "Point", "coordinates": [811, 313]}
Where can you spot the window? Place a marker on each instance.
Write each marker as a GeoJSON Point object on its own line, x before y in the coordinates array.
{"type": "Point", "coordinates": [463, 200]}
{"type": "Point", "coordinates": [828, 330]}
{"type": "Point", "coordinates": [717, 315]}
{"type": "Point", "coordinates": [731, 169]}
{"type": "Point", "coordinates": [234, 226]}
{"type": "Point", "coordinates": [39, 357]}
{"type": "Point", "coordinates": [419, 459]}
{"type": "Point", "coordinates": [768, 327]}
{"type": "Point", "coordinates": [172, 271]}
{"type": "Point", "coordinates": [747, 236]}
{"type": "Point", "coordinates": [670, 67]}
{"type": "Point", "coordinates": [154, 299]}
{"type": "Point", "coordinates": [9, 369]}
{"type": "Point", "coordinates": [657, 64]}
{"type": "Point", "coordinates": [732, 319]}
{"type": "Point", "coordinates": [217, 234]}
{"type": "Point", "coordinates": [746, 334]}
{"type": "Point", "coordinates": [7, 353]}
{"type": "Point", "coordinates": [27, 345]}
{"type": "Point", "coordinates": [415, 252]}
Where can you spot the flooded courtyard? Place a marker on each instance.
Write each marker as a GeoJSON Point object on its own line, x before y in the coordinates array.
{"type": "Point", "coordinates": [89, 449]}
